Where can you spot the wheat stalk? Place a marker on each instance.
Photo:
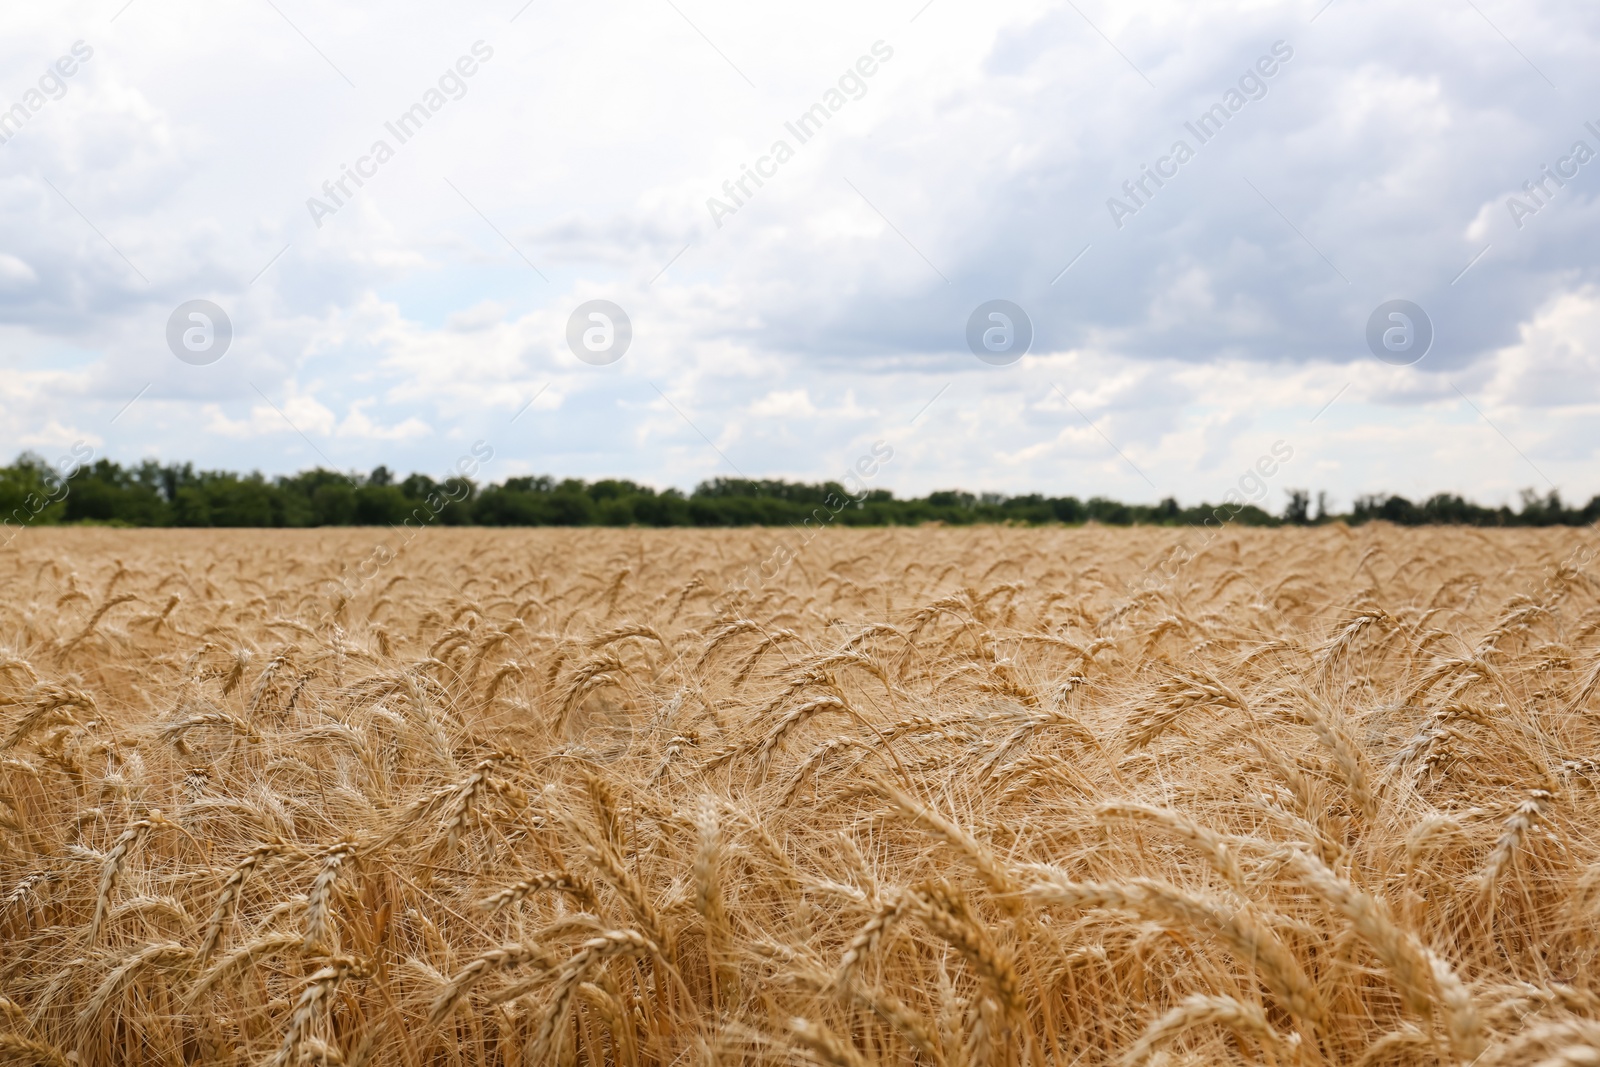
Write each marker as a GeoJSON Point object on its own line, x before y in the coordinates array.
{"type": "Point", "coordinates": [233, 886]}
{"type": "Point", "coordinates": [319, 928]}
{"type": "Point", "coordinates": [312, 1004]}
{"type": "Point", "coordinates": [115, 862]}
{"type": "Point", "coordinates": [596, 950]}
{"type": "Point", "coordinates": [169, 954]}
{"type": "Point", "coordinates": [462, 982]}
{"type": "Point", "coordinates": [823, 1045]}
{"type": "Point", "coordinates": [1250, 940]}
{"type": "Point", "coordinates": [25, 1052]}
{"type": "Point", "coordinates": [1246, 1020]}
{"type": "Point", "coordinates": [241, 957]}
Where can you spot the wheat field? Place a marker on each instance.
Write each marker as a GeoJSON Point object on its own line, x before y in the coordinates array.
{"type": "Point", "coordinates": [935, 796]}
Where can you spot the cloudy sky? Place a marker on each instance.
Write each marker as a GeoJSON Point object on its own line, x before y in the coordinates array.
{"type": "Point", "coordinates": [780, 330]}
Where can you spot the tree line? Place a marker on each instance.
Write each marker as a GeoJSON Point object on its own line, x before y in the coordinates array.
{"type": "Point", "coordinates": [33, 492]}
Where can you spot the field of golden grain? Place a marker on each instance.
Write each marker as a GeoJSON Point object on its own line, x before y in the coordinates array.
{"type": "Point", "coordinates": [936, 796]}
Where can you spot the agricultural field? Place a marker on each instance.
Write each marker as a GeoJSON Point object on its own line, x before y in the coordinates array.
{"type": "Point", "coordinates": [919, 796]}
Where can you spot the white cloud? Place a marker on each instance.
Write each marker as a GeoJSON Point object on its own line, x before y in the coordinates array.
{"type": "Point", "coordinates": [296, 415]}
{"type": "Point", "coordinates": [778, 404]}
{"type": "Point", "coordinates": [14, 273]}
{"type": "Point", "coordinates": [56, 436]}
{"type": "Point", "coordinates": [1556, 364]}
{"type": "Point", "coordinates": [357, 424]}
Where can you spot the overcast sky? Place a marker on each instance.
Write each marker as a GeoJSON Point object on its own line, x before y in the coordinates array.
{"type": "Point", "coordinates": [780, 330]}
